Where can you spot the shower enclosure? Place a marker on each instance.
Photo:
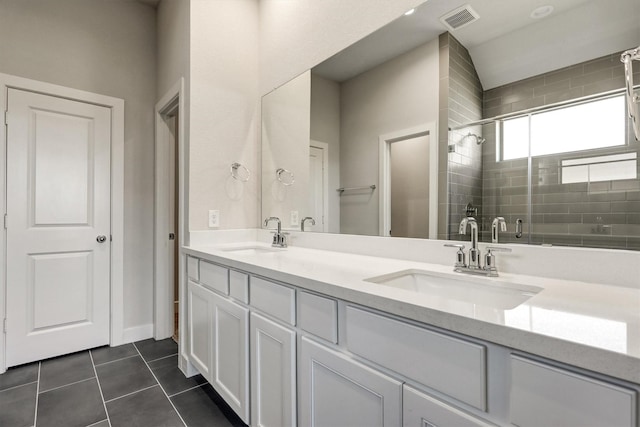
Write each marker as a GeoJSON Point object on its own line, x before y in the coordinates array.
{"type": "Point", "coordinates": [569, 171]}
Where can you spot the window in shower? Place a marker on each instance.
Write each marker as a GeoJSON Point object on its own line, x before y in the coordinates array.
{"type": "Point", "coordinates": [600, 168]}
{"type": "Point", "coordinates": [579, 127]}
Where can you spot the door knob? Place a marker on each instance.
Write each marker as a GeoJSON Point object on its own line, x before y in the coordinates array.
{"type": "Point", "coordinates": [101, 239]}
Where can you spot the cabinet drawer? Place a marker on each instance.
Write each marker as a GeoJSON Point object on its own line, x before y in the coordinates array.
{"type": "Point", "coordinates": [543, 395]}
{"type": "Point", "coordinates": [192, 268]}
{"type": "Point", "coordinates": [273, 299]}
{"type": "Point", "coordinates": [239, 286]}
{"type": "Point", "coordinates": [214, 277]}
{"type": "Point", "coordinates": [318, 315]}
{"type": "Point", "coordinates": [450, 365]}
{"type": "Point", "coordinates": [420, 410]}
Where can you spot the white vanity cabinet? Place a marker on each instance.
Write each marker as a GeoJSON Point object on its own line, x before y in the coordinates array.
{"type": "Point", "coordinates": [336, 390]}
{"type": "Point", "coordinates": [282, 355]}
{"type": "Point", "coordinates": [218, 337]}
{"type": "Point", "coordinates": [273, 373]}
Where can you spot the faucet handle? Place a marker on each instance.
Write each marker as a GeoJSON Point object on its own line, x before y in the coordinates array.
{"type": "Point", "coordinates": [455, 245]}
{"type": "Point", "coordinates": [460, 257]}
{"type": "Point", "coordinates": [490, 260]}
{"type": "Point", "coordinates": [498, 249]}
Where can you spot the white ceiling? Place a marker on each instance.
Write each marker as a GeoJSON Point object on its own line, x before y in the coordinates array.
{"type": "Point", "coordinates": [505, 44]}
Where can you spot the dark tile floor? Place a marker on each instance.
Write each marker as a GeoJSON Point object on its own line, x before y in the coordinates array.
{"type": "Point", "coordinates": [134, 385]}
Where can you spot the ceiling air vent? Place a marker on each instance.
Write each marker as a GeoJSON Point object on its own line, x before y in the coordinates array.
{"type": "Point", "coordinates": [459, 17]}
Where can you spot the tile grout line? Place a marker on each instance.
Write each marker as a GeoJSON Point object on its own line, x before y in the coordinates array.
{"type": "Point", "coordinates": [161, 388]}
{"type": "Point", "coordinates": [161, 358]}
{"type": "Point", "coordinates": [113, 361]}
{"type": "Point", "coordinates": [104, 404]}
{"type": "Point", "coordinates": [98, 422]}
{"type": "Point", "coordinates": [189, 389]}
{"type": "Point", "coordinates": [130, 394]}
{"type": "Point", "coordinates": [18, 386]}
{"type": "Point", "coordinates": [62, 386]}
{"type": "Point", "coordinates": [35, 415]}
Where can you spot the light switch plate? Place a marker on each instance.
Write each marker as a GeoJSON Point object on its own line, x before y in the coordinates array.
{"type": "Point", "coordinates": [295, 220]}
{"type": "Point", "coordinates": [214, 218]}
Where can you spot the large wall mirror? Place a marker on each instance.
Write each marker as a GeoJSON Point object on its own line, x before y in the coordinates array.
{"type": "Point", "coordinates": [491, 109]}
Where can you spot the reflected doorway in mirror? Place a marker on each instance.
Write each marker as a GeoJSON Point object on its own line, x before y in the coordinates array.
{"type": "Point", "coordinates": [409, 182]}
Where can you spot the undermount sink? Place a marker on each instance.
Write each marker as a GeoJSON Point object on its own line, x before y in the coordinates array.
{"type": "Point", "coordinates": [252, 250]}
{"type": "Point", "coordinates": [468, 289]}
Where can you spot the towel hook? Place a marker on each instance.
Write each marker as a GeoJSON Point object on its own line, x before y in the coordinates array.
{"type": "Point", "coordinates": [286, 181]}
{"type": "Point", "coordinates": [234, 172]}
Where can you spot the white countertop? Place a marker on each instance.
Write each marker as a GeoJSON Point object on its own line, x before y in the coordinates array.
{"type": "Point", "coordinates": [592, 326]}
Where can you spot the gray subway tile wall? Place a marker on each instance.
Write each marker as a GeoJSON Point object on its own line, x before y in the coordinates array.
{"type": "Point", "coordinates": [599, 214]}
{"type": "Point", "coordinates": [463, 105]}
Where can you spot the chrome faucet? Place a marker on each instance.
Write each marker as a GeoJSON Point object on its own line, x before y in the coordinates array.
{"type": "Point", "coordinates": [474, 267]}
{"type": "Point", "coordinates": [474, 252]}
{"type": "Point", "coordinates": [279, 238]}
{"type": "Point", "coordinates": [313, 222]}
{"type": "Point", "coordinates": [497, 222]}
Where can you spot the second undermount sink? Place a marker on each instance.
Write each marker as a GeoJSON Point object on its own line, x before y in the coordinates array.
{"type": "Point", "coordinates": [252, 250]}
{"type": "Point", "coordinates": [468, 289]}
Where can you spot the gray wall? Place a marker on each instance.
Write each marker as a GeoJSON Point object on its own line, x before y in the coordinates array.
{"type": "Point", "coordinates": [285, 144]}
{"type": "Point", "coordinates": [394, 96]}
{"type": "Point", "coordinates": [603, 214]}
{"type": "Point", "coordinates": [224, 114]}
{"type": "Point", "coordinates": [173, 44]}
{"type": "Point", "coordinates": [106, 47]}
{"type": "Point", "coordinates": [325, 127]}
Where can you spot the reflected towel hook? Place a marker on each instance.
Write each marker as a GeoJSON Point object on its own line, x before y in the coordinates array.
{"type": "Point", "coordinates": [286, 181]}
{"type": "Point", "coordinates": [234, 172]}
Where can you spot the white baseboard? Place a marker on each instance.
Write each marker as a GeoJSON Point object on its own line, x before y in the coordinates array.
{"type": "Point", "coordinates": [186, 367]}
{"type": "Point", "coordinates": [138, 333]}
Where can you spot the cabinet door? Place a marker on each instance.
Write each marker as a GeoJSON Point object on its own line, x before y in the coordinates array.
{"type": "Point", "coordinates": [230, 361]}
{"type": "Point", "coordinates": [336, 391]}
{"type": "Point", "coordinates": [543, 395]}
{"type": "Point", "coordinates": [200, 306]}
{"type": "Point", "coordinates": [422, 410]}
{"type": "Point", "coordinates": [273, 373]}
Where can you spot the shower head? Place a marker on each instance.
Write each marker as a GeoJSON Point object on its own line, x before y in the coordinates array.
{"type": "Point", "coordinates": [479, 140]}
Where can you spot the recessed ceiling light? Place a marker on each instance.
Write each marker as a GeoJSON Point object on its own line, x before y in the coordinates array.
{"type": "Point", "coordinates": [409, 12]}
{"type": "Point", "coordinates": [541, 12]}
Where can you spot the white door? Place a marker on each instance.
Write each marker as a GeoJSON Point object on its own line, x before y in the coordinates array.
{"type": "Point", "coordinates": [318, 180]}
{"type": "Point", "coordinates": [58, 210]}
{"type": "Point", "coordinates": [273, 373]}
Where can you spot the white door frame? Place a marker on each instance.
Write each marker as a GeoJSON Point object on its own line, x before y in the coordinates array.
{"type": "Point", "coordinates": [163, 319]}
{"type": "Point", "coordinates": [116, 336]}
{"type": "Point", "coordinates": [325, 181]}
{"type": "Point", "coordinates": [385, 142]}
